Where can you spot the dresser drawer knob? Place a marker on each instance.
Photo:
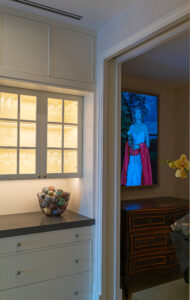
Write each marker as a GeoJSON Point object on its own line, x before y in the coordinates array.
{"type": "Point", "coordinates": [77, 235]}
{"type": "Point", "coordinates": [76, 293]}
{"type": "Point", "coordinates": [18, 244]}
{"type": "Point", "coordinates": [18, 273]}
{"type": "Point", "coordinates": [76, 261]}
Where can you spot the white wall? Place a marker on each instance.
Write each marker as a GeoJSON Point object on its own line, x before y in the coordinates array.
{"type": "Point", "coordinates": [138, 14]}
{"type": "Point", "coordinates": [173, 135]}
{"type": "Point", "coordinates": [19, 196]}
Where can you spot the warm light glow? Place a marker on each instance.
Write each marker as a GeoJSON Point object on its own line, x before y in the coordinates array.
{"type": "Point", "coordinates": [27, 134]}
{"type": "Point", "coordinates": [70, 136]}
{"type": "Point", "coordinates": [70, 161]}
{"type": "Point", "coordinates": [70, 111]}
{"type": "Point", "coordinates": [55, 110]}
{"type": "Point", "coordinates": [28, 105]}
{"type": "Point", "coordinates": [8, 161]}
{"type": "Point", "coordinates": [8, 133]}
{"type": "Point", "coordinates": [54, 136]}
{"type": "Point", "coordinates": [27, 161]}
{"type": "Point", "coordinates": [54, 161]}
{"type": "Point", "coordinates": [8, 106]}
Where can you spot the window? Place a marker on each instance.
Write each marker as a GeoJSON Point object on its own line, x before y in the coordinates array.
{"type": "Point", "coordinates": [40, 135]}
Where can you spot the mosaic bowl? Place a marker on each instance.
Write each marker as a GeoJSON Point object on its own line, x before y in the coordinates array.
{"type": "Point", "coordinates": [53, 202]}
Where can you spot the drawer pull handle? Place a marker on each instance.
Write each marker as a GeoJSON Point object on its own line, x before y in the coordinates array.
{"type": "Point", "coordinates": [18, 244]}
{"type": "Point", "coordinates": [18, 273]}
{"type": "Point", "coordinates": [77, 235]}
{"type": "Point", "coordinates": [76, 261]}
{"type": "Point", "coordinates": [76, 293]}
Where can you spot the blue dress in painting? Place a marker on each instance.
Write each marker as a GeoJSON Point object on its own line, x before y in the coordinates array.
{"type": "Point", "coordinates": [134, 171]}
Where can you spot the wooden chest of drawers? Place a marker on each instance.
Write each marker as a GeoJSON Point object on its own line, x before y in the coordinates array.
{"type": "Point", "coordinates": [145, 233]}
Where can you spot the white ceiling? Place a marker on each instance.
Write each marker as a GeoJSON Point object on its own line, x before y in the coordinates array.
{"type": "Point", "coordinates": [169, 62]}
{"type": "Point", "coordinates": [95, 13]}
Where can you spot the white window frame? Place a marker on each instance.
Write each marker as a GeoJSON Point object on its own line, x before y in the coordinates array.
{"type": "Point", "coordinates": [41, 134]}
{"type": "Point", "coordinates": [80, 136]}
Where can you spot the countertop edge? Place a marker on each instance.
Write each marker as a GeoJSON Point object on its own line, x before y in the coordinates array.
{"type": "Point", "coordinates": [46, 228]}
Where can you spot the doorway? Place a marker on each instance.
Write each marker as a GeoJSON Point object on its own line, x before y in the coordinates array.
{"type": "Point", "coordinates": [111, 157]}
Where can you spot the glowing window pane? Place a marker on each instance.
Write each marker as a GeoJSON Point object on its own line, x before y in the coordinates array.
{"type": "Point", "coordinates": [54, 136]}
{"type": "Point", "coordinates": [27, 134]}
{"type": "Point", "coordinates": [55, 110]}
{"type": "Point", "coordinates": [70, 136]}
{"type": "Point", "coordinates": [28, 107]}
{"type": "Point", "coordinates": [54, 161]}
{"type": "Point", "coordinates": [8, 133]}
{"type": "Point", "coordinates": [70, 161]}
{"type": "Point", "coordinates": [27, 161]}
{"type": "Point", "coordinates": [8, 106]}
{"type": "Point", "coordinates": [70, 111]}
{"type": "Point", "coordinates": [8, 161]}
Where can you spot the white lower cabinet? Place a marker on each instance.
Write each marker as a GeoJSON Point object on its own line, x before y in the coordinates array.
{"type": "Point", "coordinates": [61, 270]}
{"type": "Point", "coordinates": [64, 288]}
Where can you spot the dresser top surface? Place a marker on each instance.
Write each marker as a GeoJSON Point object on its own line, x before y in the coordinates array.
{"type": "Point", "coordinates": [35, 222]}
{"type": "Point", "coordinates": [154, 203]}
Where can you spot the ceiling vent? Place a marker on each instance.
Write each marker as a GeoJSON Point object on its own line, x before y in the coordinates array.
{"type": "Point", "coordinates": [50, 9]}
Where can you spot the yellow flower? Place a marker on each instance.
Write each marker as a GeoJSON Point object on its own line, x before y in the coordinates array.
{"type": "Point", "coordinates": [181, 173]}
{"type": "Point", "coordinates": [182, 163]}
{"type": "Point", "coordinates": [172, 165]}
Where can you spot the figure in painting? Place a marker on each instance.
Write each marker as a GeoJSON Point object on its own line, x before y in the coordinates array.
{"type": "Point", "coordinates": [136, 168]}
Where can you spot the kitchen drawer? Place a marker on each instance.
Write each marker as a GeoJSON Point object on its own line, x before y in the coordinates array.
{"type": "Point", "coordinates": [44, 264]}
{"type": "Point", "coordinates": [45, 239]}
{"type": "Point", "coordinates": [149, 262]}
{"type": "Point", "coordinates": [150, 242]}
{"type": "Point", "coordinates": [66, 288]}
{"type": "Point", "coordinates": [148, 220]}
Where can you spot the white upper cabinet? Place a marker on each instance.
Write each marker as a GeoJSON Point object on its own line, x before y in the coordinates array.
{"type": "Point", "coordinates": [38, 49]}
{"type": "Point", "coordinates": [72, 55]}
{"type": "Point", "coordinates": [25, 45]}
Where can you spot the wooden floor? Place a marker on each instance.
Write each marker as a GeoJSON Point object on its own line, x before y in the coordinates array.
{"type": "Point", "coordinates": [149, 279]}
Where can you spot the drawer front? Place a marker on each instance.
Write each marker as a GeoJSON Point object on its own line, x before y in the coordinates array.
{"type": "Point", "coordinates": [31, 267]}
{"type": "Point", "coordinates": [66, 288]}
{"type": "Point", "coordinates": [147, 220]}
{"type": "Point", "coordinates": [150, 262]}
{"type": "Point", "coordinates": [45, 239]}
{"type": "Point", "coordinates": [150, 242]}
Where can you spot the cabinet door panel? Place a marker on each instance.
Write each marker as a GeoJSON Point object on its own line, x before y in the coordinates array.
{"type": "Point", "coordinates": [68, 288]}
{"type": "Point", "coordinates": [49, 263]}
{"type": "Point", "coordinates": [25, 45]}
{"type": "Point", "coordinates": [73, 55]}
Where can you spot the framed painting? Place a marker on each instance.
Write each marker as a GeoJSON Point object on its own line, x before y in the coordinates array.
{"type": "Point", "coordinates": [139, 139]}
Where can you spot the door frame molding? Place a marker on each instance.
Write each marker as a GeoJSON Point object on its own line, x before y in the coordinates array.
{"type": "Point", "coordinates": [107, 176]}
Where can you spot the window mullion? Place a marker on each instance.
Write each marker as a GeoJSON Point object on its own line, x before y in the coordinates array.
{"type": "Point", "coordinates": [62, 156]}
{"type": "Point", "coordinates": [43, 114]}
{"type": "Point", "coordinates": [18, 135]}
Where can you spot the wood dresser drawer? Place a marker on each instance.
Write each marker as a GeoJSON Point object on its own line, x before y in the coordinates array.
{"type": "Point", "coordinates": [44, 264]}
{"type": "Point", "coordinates": [67, 288]}
{"type": "Point", "coordinates": [138, 221]}
{"type": "Point", "coordinates": [144, 242]}
{"type": "Point", "coordinates": [34, 241]}
{"type": "Point", "coordinates": [153, 261]}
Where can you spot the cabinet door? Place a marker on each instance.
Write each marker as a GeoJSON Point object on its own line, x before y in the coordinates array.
{"type": "Point", "coordinates": [67, 288]}
{"type": "Point", "coordinates": [25, 45]}
{"type": "Point", "coordinates": [73, 55]}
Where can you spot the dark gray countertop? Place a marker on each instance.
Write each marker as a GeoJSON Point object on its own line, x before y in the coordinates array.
{"type": "Point", "coordinates": [35, 222]}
